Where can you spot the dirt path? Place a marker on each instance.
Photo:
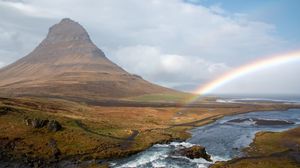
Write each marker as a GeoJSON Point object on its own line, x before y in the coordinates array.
{"type": "Point", "coordinates": [129, 141]}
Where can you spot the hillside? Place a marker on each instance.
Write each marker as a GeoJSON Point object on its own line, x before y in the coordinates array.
{"type": "Point", "coordinates": [67, 64]}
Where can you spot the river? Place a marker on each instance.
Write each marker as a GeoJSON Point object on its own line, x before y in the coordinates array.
{"type": "Point", "coordinates": [224, 139]}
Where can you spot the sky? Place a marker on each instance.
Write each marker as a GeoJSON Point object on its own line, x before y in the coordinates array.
{"type": "Point", "coordinates": [181, 44]}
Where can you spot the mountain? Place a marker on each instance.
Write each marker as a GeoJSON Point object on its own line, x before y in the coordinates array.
{"type": "Point", "coordinates": [68, 64]}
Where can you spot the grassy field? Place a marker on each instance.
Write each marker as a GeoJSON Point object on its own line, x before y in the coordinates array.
{"type": "Point", "coordinates": [170, 97]}
{"type": "Point", "coordinates": [98, 132]}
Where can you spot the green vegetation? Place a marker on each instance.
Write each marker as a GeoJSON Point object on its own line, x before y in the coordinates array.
{"type": "Point", "coordinates": [181, 98]}
{"type": "Point", "coordinates": [168, 97]}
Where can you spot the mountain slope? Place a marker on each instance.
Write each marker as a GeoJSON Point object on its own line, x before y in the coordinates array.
{"type": "Point", "coordinates": [67, 64]}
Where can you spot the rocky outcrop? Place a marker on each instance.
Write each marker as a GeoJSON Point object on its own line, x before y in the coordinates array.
{"type": "Point", "coordinates": [4, 110]}
{"type": "Point", "coordinates": [37, 123]}
{"type": "Point", "coordinates": [52, 125]}
{"type": "Point", "coordinates": [55, 151]}
{"type": "Point", "coordinates": [194, 152]}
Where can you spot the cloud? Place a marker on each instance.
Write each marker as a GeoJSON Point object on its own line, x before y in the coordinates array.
{"type": "Point", "coordinates": [171, 42]}
{"type": "Point", "coordinates": [30, 10]}
{"type": "Point", "coordinates": [1, 64]}
{"type": "Point", "coordinates": [173, 25]}
{"type": "Point", "coordinates": [166, 69]}
{"type": "Point", "coordinates": [281, 79]}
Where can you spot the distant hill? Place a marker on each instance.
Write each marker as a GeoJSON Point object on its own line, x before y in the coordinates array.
{"type": "Point", "coordinates": [67, 64]}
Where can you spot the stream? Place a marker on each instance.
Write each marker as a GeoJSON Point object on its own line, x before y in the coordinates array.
{"type": "Point", "coordinates": [223, 139]}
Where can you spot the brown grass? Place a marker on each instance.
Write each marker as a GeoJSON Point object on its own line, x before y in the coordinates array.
{"type": "Point", "coordinates": [94, 132]}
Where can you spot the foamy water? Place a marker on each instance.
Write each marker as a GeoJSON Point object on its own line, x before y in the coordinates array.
{"type": "Point", "coordinates": [223, 141]}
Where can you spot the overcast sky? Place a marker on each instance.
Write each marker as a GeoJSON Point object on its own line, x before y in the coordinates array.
{"type": "Point", "coordinates": [176, 43]}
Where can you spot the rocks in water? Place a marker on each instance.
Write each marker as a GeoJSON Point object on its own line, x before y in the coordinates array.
{"type": "Point", "coordinates": [194, 152]}
{"type": "Point", "coordinates": [52, 125]}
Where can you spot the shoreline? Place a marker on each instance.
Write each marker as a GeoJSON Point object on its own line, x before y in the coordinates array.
{"type": "Point", "coordinates": [264, 155]}
{"type": "Point", "coordinates": [211, 120]}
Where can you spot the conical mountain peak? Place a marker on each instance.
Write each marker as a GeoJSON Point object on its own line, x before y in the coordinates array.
{"type": "Point", "coordinates": [67, 64]}
{"type": "Point", "coordinates": [65, 31]}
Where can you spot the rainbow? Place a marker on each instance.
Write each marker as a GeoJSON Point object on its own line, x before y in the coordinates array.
{"type": "Point", "coordinates": [243, 70]}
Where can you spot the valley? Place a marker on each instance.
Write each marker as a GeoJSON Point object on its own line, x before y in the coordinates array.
{"type": "Point", "coordinates": [93, 133]}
